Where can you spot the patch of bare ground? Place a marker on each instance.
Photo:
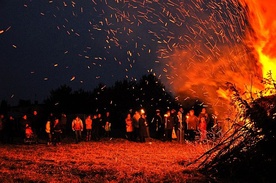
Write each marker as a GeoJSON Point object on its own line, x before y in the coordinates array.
{"type": "Point", "coordinates": [115, 160]}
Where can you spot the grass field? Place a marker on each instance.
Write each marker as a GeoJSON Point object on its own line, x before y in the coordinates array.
{"type": "Point", "coordinates": [116, 160]}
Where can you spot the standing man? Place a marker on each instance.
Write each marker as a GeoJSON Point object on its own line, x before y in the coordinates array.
{"type": "Point", "coordinates": [88, 125]}
{"type": "Point", "coordinates": [142, 128]}
{"type": "Point", "coordinates": [24, 122]}
{"type": "Point", "coordinates": [100, 122]}
{"type": "Point", "coordinates": [169, 124]}
{"type": "Point", "coordinates": [107, 124]}
{"type": "Point", "coordinates": [180, 129]}
{"type": "Point", "coordinates": [2, 124]}
{"type": "Point", "coordinates": [10, 129]}
{"type": "Point", "coordinates": [48, 130]}
{"type": "Point", "coordinates": [204, 114]}
{"type": "Point", "coordinates": [156, 124]}
{"type": "Point", "coordinates": [136, 126]}
{"type": "Point", "coordinates": [77, 127]}
{"type": "Point", "coordinates": [192, 122]}
{"type": "Point", "coordinates": [63, 123]}
{"type": "Point", "coordinates": [96, 126]}
{"type": "Point", "coordinates": [36, 123]}
{"type": "Point", "coordinates": [56, 132]}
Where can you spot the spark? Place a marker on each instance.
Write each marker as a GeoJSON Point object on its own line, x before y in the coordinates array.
{"type": "Point", "coordinates": [72, 78]}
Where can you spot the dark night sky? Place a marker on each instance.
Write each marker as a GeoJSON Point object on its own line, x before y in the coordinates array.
{"type": "Point", "coordinates": [45, 44]}
{"type": "Point", "coordinates": [32, 46]}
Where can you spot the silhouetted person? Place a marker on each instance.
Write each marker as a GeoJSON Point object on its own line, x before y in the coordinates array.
{"type": "Point", "coordinates": [10, 129]}
{"type": "Point", "coordinates": [96, 128]}
{"type": "Point", "coordinates": [107, 124]}
{"type": "Point", "coordinates": [2, 127]}
{"type": "Point", "coordinates": [142, 128]}
{"type": "Point", "coordinates": [101, 124]}
{"type": "Point", "coordinates": [156, 125]}
{"type": "Point", "coordinates": [36, 123]}
{"type": "Point", "coordinates": [23, 123]}
{"type": "Point", "coordinates": [63, 123]}
{"type": "Point", "coordinates": [135, 120]}
{"type": "Point", "coordinates": [169, 124]}
{"type": "Point", "coordinates": [57, 132]}
{"type": "Point", "coordinates": [180, 129]}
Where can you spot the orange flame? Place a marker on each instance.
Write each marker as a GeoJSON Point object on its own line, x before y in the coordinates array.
{"type": "Point", "coordinates": [263, 21]}
{"type": "Point", "coordinates": [203, 76]}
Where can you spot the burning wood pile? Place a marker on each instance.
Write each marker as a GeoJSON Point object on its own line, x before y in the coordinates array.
{"type": "Point", "coordinates": [246, 152]}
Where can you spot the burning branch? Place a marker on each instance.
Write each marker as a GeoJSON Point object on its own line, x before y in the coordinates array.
{"type": "Point", "coordinates": [270, 85]}
{"type": "Point", "coordinates": [246, 146]}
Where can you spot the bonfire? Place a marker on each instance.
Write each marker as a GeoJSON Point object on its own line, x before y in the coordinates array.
{"type": "Point", "coordinates": [246, 151]}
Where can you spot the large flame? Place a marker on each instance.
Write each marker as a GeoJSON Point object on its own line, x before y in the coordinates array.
{"type": "Point", "coordinates": [263, 21]}
{"type": "Point", "coordinates": [244, 63]}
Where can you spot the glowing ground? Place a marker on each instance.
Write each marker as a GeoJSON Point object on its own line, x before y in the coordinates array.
{"type": "Point", "coordinates": [115, 160]}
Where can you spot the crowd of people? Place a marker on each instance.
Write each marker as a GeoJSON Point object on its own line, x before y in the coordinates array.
{"type": "Point", "coordinates": [172, 125]}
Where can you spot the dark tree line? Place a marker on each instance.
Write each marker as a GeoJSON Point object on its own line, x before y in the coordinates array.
{"type": "Point", "coordinates": [148, 93]}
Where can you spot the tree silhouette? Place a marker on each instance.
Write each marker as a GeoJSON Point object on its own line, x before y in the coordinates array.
{"type": "Point", "coordinates": [4, 107]}
{"type": "Point", "coordinates": [59, 100]}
